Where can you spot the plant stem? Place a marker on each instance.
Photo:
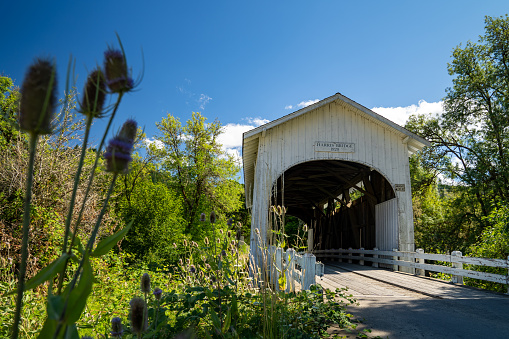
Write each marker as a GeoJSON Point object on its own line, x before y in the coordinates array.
{"type": "Point", "coordinates": [92, 172]}
{"type": "Point", "coordinates": [24, 243]}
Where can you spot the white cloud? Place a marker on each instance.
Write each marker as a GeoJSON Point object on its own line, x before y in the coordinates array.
{"type": "Point", "coordinates": [203, 100]}
{"type": "Point", "coordinates": [157, 143]}
{"type": "Point", "coordinates": [400, 115]}
{"type": "Point", "coordinates": [303, 104]}
{"type": "Point", "coordinates": [231, 138]}
{"type": "Point", "coordinates": [288, 107]}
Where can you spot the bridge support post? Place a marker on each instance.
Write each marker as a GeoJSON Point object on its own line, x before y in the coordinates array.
{"type": "Point", "coordinates": [310, 240]}
{"type": "Point", "coordinates": [457, 279]}
{"type": "Point", "coordinates": [420, 271]}
{"type": "Point", "coordinates": [375, 264]}
{"type": "Point", "coordinates": [308, 270]}
{"type": "Point", "coordinates": [361, 261]}
{"type": "Point", "coordinates": [395, 258]}
{"type": "Point", "coordinates": [290, 269]}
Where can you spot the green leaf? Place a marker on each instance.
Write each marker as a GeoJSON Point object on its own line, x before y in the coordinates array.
{"type": "Point", "coordinates": [215, 319]}
{"type": "Point", "coordinates": [105, 245]}
{"type": "Point", "coordinates": [46, 273]}
{"type": "Point", "coordinates": [228, 320]}
{"type": "Point", "coordinates": [79, 295]}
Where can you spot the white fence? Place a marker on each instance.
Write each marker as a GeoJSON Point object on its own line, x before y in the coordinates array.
{"type": "Point", "coordinates": [417, 260]}
{"type": "Point", "coordinates": [300, 268]}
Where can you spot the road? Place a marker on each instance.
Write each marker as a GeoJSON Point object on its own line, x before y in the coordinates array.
{"type": "Point", "coordinates": [400, 305]}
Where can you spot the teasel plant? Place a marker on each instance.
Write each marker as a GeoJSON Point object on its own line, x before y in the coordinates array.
{"type": "Point", "coordinates": [38, 102]}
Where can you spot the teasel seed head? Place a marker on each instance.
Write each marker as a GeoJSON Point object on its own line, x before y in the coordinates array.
{"type": "Point", "coordinates": [38, 97]}
{"type": "Point", "coordinates": [229, 222]}
{"type": "Point", "coordinates": [192, 269]}
{"type": "Point", "coordinates": [94, 94]}
{"type": "Point", "coordinates": [157, 293]}
{"type": "Point", "coordinates": [138, 315]}
{"type": "Point", "coordinates": [117, 74]}
{"type": "Point", "coordinates": [145, 283]}
{"type": "Point", "coordinates": [116, 327]}
{"type": "Point", "coordinates": [118, 152]}
{"type": "Point", "coordinates": [202, 217]}
{"type": "Point", "coordinates": [212, 217]}
{"type": "Point", "coordinates": [206, 241]}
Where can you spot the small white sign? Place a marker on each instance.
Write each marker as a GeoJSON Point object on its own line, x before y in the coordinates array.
{"type": "Point", "coordinates": [400, 187]}
{"type": "Point", "coordinates": [334, 146]}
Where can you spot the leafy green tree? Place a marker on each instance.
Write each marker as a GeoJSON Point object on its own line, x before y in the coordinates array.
{"type": "Point", "coordinates": [193, 163]}
{"type": "Point", "coordinates": [9, 103]}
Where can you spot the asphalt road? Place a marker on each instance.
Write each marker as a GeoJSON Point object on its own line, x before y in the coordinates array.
{"type": "Point", "coordinates": [399, 305]}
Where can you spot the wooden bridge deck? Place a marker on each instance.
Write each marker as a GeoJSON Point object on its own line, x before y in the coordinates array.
{"type": "Point", "coordinates": [402, 305]}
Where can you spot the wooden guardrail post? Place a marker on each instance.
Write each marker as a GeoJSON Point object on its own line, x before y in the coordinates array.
{"type": "Point", "coordinates": [375, 264]}
{"type": "Point", "coordinates": [361, 261]}
{"type": "Point", "coordinates": [339, 256]}
{"type": "Point", "coordinates": [350, 255]}
{"type": "Point", "coordinates": [420, 271]}
{"type": "Point", "coordinates": [395, 258]}
{"type": "Point", "coordinates": [457, 279]}
{"type": "Point", "coordinates": [308, 270]}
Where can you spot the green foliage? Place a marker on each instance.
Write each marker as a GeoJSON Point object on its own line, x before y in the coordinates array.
{"type": "Point", "coordinates": [493, 243]}
{"type": "Point", "coordinates": [193, 163]}
{"type": "Point", "coordinates": [9, 104]}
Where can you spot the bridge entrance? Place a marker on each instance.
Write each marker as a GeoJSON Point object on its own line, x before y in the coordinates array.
{"type": "Point", "coordinates": [337, 199]}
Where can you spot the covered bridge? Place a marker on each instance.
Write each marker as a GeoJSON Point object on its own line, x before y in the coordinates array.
{"type": "Point", "coordinates": [339, 167]}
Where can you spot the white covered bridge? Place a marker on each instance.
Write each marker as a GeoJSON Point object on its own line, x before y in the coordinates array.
{"type": "Point", "coordinates": [339, 167]}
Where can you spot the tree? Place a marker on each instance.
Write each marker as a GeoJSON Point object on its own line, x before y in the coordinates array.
{"type": "Point", "coordinates": [9, 102]}
{"type": "Point", "coordinates": [193, 162]}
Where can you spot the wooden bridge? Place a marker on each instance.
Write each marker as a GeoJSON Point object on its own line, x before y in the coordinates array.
{"type": "Point", "coordinates": [403, 305]}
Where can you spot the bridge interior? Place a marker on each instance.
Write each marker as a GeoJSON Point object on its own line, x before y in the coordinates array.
{"type": "Point", "coordinates": [336, 199]}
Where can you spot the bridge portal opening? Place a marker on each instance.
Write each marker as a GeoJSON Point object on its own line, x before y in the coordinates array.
{"type": "Point", "coordinates": [338, 199]}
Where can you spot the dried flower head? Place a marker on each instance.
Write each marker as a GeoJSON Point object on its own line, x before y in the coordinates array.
{"type": "Point", "coordinates": [192, 269]}
{"type": "Point", "coordinates": [229, 233]}
{"type": "Point", "coordinates": [221, 231]}
{"type": "Point", "coordinates": [203, 217]}
{"type": "Point", "coordinates": [212, 217]}
{"type": "Point", "coordinates": [185, 242]}
{"type": "Point", "coordinates": [229, 222]}
{"type": "Point", "coordinates": [305, 228]}
{"type": "Point", "coordinates": [181, 262]}
{"type": "Point", "coordinates": [145, 283]}
{"type": "Point", "coordinates": [38, 97]}
{"type": "Point", "coordinates": [206, 241]}
{"type": "Point", "coordinates": [94, 94]}
{"type": "Point", "coordinates": [188, 261]}
{"type": "Point", "coordinates": [257, 231]}
{"type": "Point", "coordinates": [117, 74]}
{"type": "Point", "coordinates": [138, 315]}
{"type": "Point", "coordinates": [174, 246]}
{"type": "Point", "coordinates": [116, 327]}
{"type": "Point", "coordinates": [118, 152]}
{"type": "Point", "coordinates": [223, 253]}
{"type": "Point", "coordinates": [279, 210]}
{"type": "Point", "coordinates": [157, 293]}
{"type": "Point", "coordinates": [239, 224]}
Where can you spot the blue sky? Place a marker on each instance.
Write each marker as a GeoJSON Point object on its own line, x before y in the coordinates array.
{"type": "Point", "coordinates": [249, 62]}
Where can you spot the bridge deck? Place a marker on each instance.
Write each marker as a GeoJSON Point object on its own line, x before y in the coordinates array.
{"type": "Point", "coordinates": [402, 305]}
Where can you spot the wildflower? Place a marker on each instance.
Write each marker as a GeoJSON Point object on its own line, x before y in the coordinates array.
{"type": "Point", "coordinates": [157, 293]}
{"type": "Point", "coordinates": [221, 231]}
{"type": "Point", "coordinates": [117, 74]}
{"type": "Point", "coordinates": [118, 152]}
{"type": "Point", "coordinates": [223, 253]}
{"type": "Point", "coordinates": [229, 222]}
{"type": "Point", "coordinates": [181, 262]}
{"type": "Point", "coordinates": [94, 94]}
{"type": "Point", "coordinates": [174, 245]}
{"type": "Point", "coordinates": [194, 244]}
{"type": "Point", "coordinates": [138, 315]}
{"type": "Point", "coordinates": [185, 243]}
{"type": "Point", "coordinates": [38, 97]}
{"type": "Point", "coordinates": [192, 269]}
{"type": "Point", "coordinates": [145, 283]}
{"type": "Point", "coordinates": [116, 327]}
{"type": "Point", "coordinates": [212, 217]}
{"type": "Point", "coordinates": [202, 217]}
{"type": "Point", "coordinates": [206, 241]}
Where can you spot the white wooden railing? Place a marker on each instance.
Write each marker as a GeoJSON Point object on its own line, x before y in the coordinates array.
{"type": "Point", "coordinates": [297, 267]}
{"type": "Point", "coordinates": [417, 260]}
